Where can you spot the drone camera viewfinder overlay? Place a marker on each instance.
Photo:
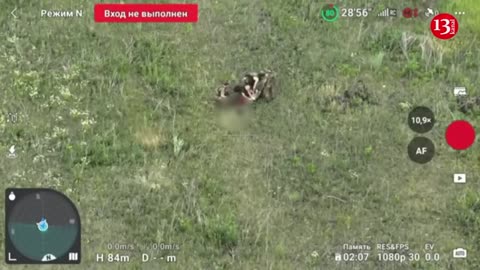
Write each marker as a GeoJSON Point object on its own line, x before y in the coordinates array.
{"type": "Point", "coordinates": [238, 134]}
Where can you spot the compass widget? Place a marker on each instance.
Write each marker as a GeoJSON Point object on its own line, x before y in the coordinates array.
{"type": "Point", "coordinates": [42, 227]}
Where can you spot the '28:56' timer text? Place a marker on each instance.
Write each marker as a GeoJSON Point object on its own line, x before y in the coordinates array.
{"type": "Point", "coordinates": [355, 12]}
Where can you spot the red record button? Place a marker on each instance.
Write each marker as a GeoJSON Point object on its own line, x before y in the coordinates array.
{"type": "Point", "coordinates": [460, 135]}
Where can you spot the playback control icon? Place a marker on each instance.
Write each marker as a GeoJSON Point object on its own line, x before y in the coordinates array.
{"type": "Point", "coordinates": [459, 178]}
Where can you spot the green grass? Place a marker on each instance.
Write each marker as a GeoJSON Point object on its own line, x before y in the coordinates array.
{"type": "Point", "coordinates": [118, 117]}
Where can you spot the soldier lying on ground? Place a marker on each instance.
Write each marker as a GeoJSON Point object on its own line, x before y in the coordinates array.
{"type": "Point", "coordinates": [355, 95]}
{"type": "Point", "coordinates": [263, 83]}
{"type": "Point", "coordinates": [252, 87]}
{"type": "Point", "coordinates": [468, 104]}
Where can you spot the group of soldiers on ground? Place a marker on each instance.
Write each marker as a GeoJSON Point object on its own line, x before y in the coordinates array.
{"type": "Point", "coordinates": [252, 87]}
{"type": "Point", "coordinates": [260, 85]}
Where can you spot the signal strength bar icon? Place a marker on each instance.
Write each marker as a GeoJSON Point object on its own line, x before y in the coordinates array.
{"type": "Point", "coordinates": [388, 12]}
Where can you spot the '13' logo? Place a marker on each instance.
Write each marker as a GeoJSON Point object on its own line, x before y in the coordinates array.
{"type": "Point", "coordinates": [444, 26]}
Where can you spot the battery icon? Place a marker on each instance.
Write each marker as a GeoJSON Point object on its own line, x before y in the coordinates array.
{"type": "Point", "coordinates": [330, 12]}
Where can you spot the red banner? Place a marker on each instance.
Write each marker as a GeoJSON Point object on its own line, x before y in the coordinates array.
{"type": "Point", "coordinates": [146, 13]}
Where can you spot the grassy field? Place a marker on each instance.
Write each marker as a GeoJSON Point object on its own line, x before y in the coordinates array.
{"type": "Point", "coordinates": [119, 118]}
